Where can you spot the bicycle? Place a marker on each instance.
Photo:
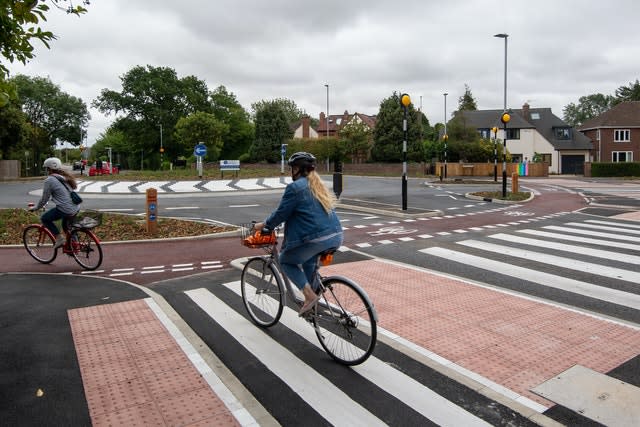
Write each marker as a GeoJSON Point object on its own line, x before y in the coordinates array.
{"type": "Point", "coordinates": [344, 318]}
{"type": "Point", "coordinates": [81, 243]}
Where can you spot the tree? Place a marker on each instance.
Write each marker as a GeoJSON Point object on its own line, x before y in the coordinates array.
{"type": "Point", "coordinates": [272, 130]}
{"type": "Point", "coordinates": [201, 127]}
{"type": "Point", "coordinates": [152, 97]}
{"type": "Point", "coordinates": [19, 26]}
{"type": "Point", "coordinates": [14, 131]}
{"type": "Point", "coordinates": [357, 137]}
{"type": "Point", "coordinates": [239, 130]}
{"type": "Point", "coordinates": [628, 93]}
{"type": "Point", "coordinates": [466, 102]}
{"type": "Point", "coordinates": [588, 107]}
{"type": "Point", "coordinates": [291, 111]}
{"type": "Point", "coordinates": [388, 133]}
{"type": "Point", "coordinates": [53, 115]}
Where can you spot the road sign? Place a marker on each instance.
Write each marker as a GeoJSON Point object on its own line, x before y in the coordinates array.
{"type": "Point", "coordinates": [200, 150]}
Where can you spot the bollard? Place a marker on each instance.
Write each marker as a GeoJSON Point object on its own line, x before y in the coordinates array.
{"type": "Point", "coordinates": [514, 182]}
{"type": "Point", "coordinates": [152, 210]}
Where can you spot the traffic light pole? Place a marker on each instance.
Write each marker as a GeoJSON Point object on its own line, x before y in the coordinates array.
{"type": "Point", "coordinates": [504, 119]}
{"type": "Point", "coordinates": [405, 100]}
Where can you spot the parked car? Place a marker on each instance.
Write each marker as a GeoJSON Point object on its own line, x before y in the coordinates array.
{"type": "Point", "coordinates": [77, 165]}
{"type": "Point", "coordinates": [104, 171]}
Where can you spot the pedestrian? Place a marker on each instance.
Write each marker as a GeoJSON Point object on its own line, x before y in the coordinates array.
{"type": "Point", "coordinates": [99, 166]}
{"type": "Point", "coordinates": [311, 225]}
{"type": "Point", "coordinates": [57, 187]}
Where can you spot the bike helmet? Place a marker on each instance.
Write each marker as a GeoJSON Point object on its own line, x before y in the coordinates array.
{"type": "Point", "coordinates": [52, 163]}
{"type": "Point", "coordinates": [303, 160]}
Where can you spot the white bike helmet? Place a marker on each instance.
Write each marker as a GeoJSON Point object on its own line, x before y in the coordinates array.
{"type": "Point", "coordinates": [52, 163]}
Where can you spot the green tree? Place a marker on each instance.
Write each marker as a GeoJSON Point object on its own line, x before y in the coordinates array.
{"type": "Point", "coordinates": [53, 115]}
{"type": "Point", "coordinates": [357, 139]}
{"type": "Point", "coordinates": [272, 130]}
{"type": "Point", "coordinates": [628, 93]}
{"type": "Point", "coordinates": [239, 129]}
{"type": "Point", "coordinates": [289, 107]}
{"type": "Point", "coordinates": [120, 150]}
{"type": "Point", "coordinates": [19, 26]}
{"type": "Point", "coordinates": [152, 97]}
{"type": "Point", "coordinates": [587, 107]}
{"type": "Point", "coordinates": [201, 127]}
{"type": "Point", "coordinates": [467, 102]}
{"type": "Point", "coordinates": [14, 132]}
{"type": "Point", "coordinates": [388, 133]}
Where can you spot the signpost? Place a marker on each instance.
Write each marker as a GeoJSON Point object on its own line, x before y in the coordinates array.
{"type": "Point", "coordinates": [200, 151]}
{"type": "Point", "coordinates": [152, 210]}
{"type": "Point", "coordinates": [283, 152]}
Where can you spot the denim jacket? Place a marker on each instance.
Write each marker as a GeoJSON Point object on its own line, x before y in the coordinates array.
{"type": "Point", "coordinates": [305, 218]}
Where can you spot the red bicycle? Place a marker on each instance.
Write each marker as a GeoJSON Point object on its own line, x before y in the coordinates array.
{"type": "Point", "coordinates": [81, 243]}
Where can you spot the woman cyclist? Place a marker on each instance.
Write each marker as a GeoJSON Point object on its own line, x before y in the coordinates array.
{"type": "Point", "coordinates": [311, 225]}
{"type": "Point", "coordinates": [57, 187]}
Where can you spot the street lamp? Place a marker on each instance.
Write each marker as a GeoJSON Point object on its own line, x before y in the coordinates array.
{"type": "Point", "coordinates": [505, 117]}
{"type": "Point", "coordinates": [327, 121]}
{"type": "Point", "coordinates": [405, 100]}
{"type": "Point", "coordinates": [445, 137]}
{"type": "Point", "coordinates": [161, 147]}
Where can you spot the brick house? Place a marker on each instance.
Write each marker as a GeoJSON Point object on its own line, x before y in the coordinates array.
{"type": "Point", "coordinates": [615, 134]}
{"type": "Point", "coordinates": [535, 130]}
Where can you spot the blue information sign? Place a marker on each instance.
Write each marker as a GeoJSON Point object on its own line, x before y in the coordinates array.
{"type": "Point", "coordinates": [200, 150]}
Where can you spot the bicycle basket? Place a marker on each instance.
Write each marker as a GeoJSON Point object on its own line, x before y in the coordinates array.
{"type": "Point", "coordinates": [254, 239]}
{"type": "Point", "coordinates": [88, 219]}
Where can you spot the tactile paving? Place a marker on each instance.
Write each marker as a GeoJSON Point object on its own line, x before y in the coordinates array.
{"type": "Point", "coordinates": [135, 374]}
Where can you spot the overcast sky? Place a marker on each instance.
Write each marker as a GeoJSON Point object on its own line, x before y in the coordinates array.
{"type": "Point", "coordinates": [558, 50]}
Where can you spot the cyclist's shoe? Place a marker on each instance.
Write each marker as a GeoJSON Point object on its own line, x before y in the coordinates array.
{"type": "Point", "coordinates": [59, 242]}
{"type": "Point", "coordinates": [308, 306]}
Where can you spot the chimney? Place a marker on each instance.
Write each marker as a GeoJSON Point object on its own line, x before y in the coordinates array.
{"type": "Point", "coordinates": [525, 111]}
{"type": "Point", "coordinates": [305, 126]}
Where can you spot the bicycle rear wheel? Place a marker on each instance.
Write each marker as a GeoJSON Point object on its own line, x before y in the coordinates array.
{"type": "Point", "coordinates": [39, 243]}
{"type": "Point", "coordinates": [86, 249]}
{"type": "Point", "coordinates": [345, 321]}
{"type": "Point", "coordinates": [262, 291]}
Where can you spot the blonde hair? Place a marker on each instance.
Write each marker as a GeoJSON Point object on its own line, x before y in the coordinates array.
{"type": "Point", "coordinates": [320, 191]}
{"type": "Point", "coordinates": [71, 180]}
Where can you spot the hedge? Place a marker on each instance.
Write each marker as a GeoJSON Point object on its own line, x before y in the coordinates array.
{"type": "Point", "coordinates": [620, 169]}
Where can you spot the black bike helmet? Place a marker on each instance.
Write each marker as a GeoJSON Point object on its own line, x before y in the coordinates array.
{"type": "Point", "coordinates": [306, 162]}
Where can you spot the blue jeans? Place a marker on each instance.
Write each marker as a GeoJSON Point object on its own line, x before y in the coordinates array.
{"type": "Point", "coordinates": [52, 215]}
{"type": "Point", "coordinates": [299, 263]}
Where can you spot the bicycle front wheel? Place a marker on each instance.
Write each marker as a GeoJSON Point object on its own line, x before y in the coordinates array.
{"type": "Point", "coordinates": [39, 243]}
{"type": "Point", "coordinates": [262, 291]}
{"type": "Point", "coordinates": [345, 321]}
{"type": "Point", "coordinates": [86, 249]}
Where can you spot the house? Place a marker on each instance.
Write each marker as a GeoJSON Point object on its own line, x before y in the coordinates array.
{"type": "Point", "coordinates": [615, 134]}
{"type": "Point", "coordinates": [303, 129]}
{"type": "Point", "coordinates": [535, 131]}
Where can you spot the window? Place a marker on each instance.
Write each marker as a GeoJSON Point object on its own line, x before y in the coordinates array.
{"type": "Point", "coordinates": [546, 158]}
{"type": "Point", "coordinates": [621, 135]}
{"type": "Point", "coordinates": [598, 135]}
{"type": "Point", "coordinates": [485, 133]}
{"type": "Point", "coordinates": [622, 156]}
{"type": "Point", "coordinates": [513, 133]}
{"type": "Point", "coordinates": [535, 116]}
{"type": "Point", "coordinates": [562, 133]}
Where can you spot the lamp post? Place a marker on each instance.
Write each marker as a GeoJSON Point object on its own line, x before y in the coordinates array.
{"type": "Point", "coordinates": [161, 147]}
{"type": "Point", "coordinates": [505, 117]}
{"type": "Point", "coordinates": [327, 122]}
{"type": "Point", "coordinates": [445, 137]}
{"type": "Point", "coordinates": [406, 101]}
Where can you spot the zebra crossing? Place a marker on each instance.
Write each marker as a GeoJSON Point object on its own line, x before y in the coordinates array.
{"type": "Point", "coordinates": [388, 389]}
{"type": "Point", "coordinates": [594, 264]}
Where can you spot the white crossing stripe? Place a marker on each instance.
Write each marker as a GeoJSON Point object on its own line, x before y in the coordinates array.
{"type": "Point", "coordinates": [569, 263]}
{"type": "Point", "coordinates": [614, 296]}
{"type": "Point", "coordinates": [591, 233]}
{"type": "Point", "coordinates": [597, 253]}
{"type": "Point", "coordinates": [600, 242]}
{"type": "Point", "coordinates": [617, 224]}
{"type": "Point", "coordinates": [601, 227]}
{"type": "Point", "coordinates": [327, 399]}
{"type": "Point", "coordinates": [409, 391]}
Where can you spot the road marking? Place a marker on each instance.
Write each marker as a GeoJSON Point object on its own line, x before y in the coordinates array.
{"type": "Point", "coordinates": [600, 227]}
{"type": "Point", "coordinates": [625, 299]}
{"type": "Point", "coordinates": [599, 242]}
{"type": "Point", "coordinates": [155, 267]}
{"type": "Point", "coordinates": [562, 262]}
{"type": "Point", "coordinates": [591, 233]}
{"type": "Point", "coordinates": [190, 264]}
{"type": "Point", "coordinates": [123, 269]}
{"type": "Point", "coordinates": [181, 208]}
{"type": "Point", "coordinates": [327, 399]}
{"type": "Point", "coordinates": [115, 210]}
{"type": "Point", "coordinates": [243, 206]}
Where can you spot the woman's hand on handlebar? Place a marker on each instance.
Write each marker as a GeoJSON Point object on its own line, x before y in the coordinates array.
{"type": "Point", "coordinates": [258, 226]}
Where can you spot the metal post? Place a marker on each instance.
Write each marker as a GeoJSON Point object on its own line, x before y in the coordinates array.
{"type": "Point", "coordinates": [504, 162]}
{"type": "Point", "coordinates": [504, 153]}
{"type": "Point", "coordinates": [495, 154]}
{"type": "Point", "coordinates": [161, 147]}
{"type": "Point", "coordinates": [445, 136]}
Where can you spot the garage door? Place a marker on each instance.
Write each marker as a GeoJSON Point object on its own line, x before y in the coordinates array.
{"type": "Point", "coordinates": [572, 165]}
